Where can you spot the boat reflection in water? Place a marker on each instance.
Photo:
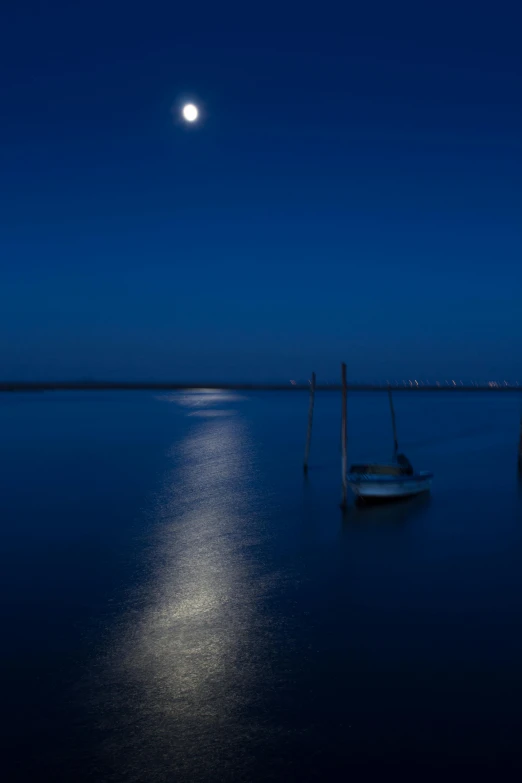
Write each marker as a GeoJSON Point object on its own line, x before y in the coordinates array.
{"type": "Point", "coordinates": [401, 512]}
{"type": "Point", "coordinates": [189, 653]}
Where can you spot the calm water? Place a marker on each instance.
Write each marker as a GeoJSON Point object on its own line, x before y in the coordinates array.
{"type": "Point", "coordinates": [180, 605]}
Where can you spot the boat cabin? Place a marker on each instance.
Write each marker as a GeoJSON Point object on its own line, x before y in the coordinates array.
{"type": "Point", "coordinates": [399, 467]}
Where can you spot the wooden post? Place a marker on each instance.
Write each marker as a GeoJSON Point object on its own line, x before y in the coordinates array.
{"type": "Point", "coordinates": [310, 422]}
{"type": "Point", "coordinates": [392, 411]}
{"type": "Point", "coordinates": [520, 447]}
{"type": "Point", "coordinates": [344, 460]}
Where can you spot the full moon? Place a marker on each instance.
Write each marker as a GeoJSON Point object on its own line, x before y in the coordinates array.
{"type": "Point", "coordinates": [190, 112]}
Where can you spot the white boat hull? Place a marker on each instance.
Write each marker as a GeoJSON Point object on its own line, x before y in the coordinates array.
{"type": "Point", "coordinates": [383, 486]}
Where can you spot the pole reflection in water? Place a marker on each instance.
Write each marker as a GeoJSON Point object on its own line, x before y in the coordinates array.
{"type": "Point", "coordinates": [188, 658]}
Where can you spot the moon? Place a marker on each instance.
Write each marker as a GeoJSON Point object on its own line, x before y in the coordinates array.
{"type": "Point", "coordinates": [190, 112]}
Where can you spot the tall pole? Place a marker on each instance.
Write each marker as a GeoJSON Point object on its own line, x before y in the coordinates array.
{"type": "Point", "coordinates": [310, 422]}
{"type": "Point", "coordinates": [344, 437]}
{"type": "Point", "coordinates": [392, 411]}
{"type": "Point", "coordinates": [520, 447]}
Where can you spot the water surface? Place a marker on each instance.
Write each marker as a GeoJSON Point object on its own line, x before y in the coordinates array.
{"type": "Point", "coordinates": [180, 604]}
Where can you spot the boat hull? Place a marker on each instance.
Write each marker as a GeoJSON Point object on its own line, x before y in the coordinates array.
{"type": "Point", "coordinates": [367, 486]}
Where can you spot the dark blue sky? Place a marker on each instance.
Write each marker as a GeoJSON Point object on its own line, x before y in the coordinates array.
{"type": "Point", "coordinates": [354, 190]}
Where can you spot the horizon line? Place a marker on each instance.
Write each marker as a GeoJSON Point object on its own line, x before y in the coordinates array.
{"type": "Point", "coordinates": [17, 386]}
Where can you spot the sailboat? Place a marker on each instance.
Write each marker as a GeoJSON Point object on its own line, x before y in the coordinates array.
{"type": "Point", "coordinates": [388, 481]}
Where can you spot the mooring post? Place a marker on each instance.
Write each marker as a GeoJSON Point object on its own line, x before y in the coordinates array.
{"type": "Point", "coordinates": [520, 447]}
{"type": "Point", "coordinates": [394, 426]}
{"type": "Point", "coordinates": [344, 461]}
{"type": "Point", "coordinates": [310, 422]}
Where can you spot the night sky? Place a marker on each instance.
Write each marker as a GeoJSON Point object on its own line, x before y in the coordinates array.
{"type": "Point", "coordinates": [352, 191]}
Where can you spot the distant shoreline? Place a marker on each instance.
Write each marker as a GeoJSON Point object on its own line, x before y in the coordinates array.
{"type": "Point", "coordinates": [23, 386]}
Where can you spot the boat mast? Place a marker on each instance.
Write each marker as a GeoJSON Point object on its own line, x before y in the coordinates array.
{"type": "Point", "coordinates": [392, 411]}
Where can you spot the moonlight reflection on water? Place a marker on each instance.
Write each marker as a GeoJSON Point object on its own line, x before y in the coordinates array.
{"type": "Point", "coordinates": [188, 656]}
